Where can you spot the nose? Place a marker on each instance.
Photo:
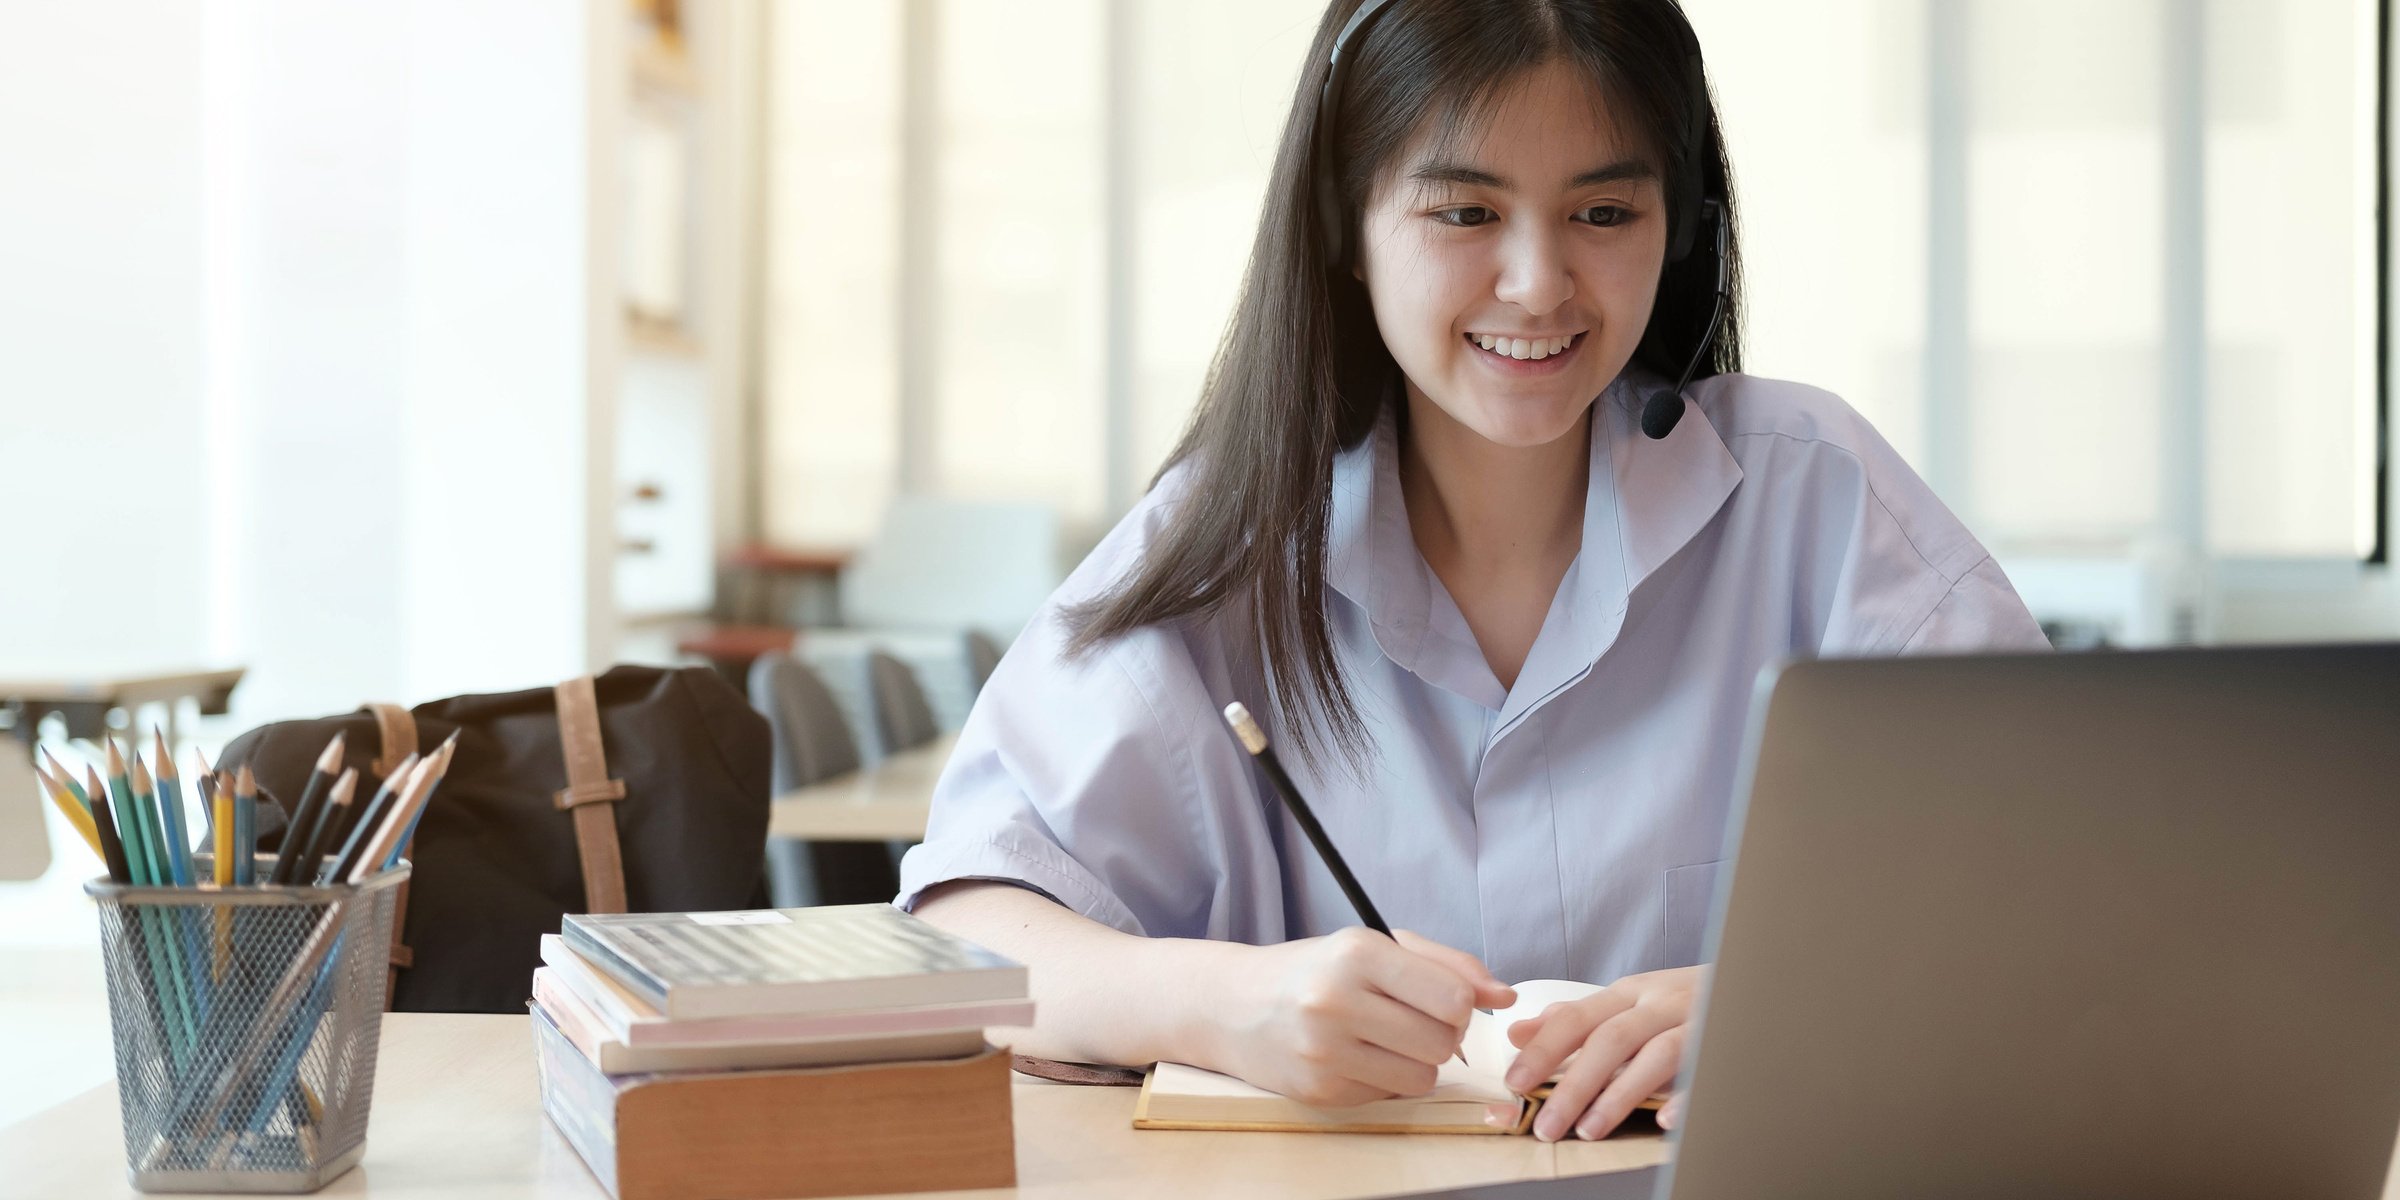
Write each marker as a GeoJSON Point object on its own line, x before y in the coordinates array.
{"type": "Point", "coordinates": [1533, 270]}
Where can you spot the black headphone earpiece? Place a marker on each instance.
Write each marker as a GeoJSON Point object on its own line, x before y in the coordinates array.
{"type": "Point", "coordinates": [1688, 210]}
{"type": "Point", "coordinates": [1330, 217]}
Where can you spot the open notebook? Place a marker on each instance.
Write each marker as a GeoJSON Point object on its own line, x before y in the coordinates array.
{"type": "Point", "coordinates": [1180, 1097]}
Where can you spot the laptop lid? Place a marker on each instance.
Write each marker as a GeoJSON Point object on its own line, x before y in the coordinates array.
{"type": "Point", "coordinates": [2093, 925]}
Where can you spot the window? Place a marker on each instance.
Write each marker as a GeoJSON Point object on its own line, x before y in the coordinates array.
{"type": "Point", "coordinates": [2105, 273]}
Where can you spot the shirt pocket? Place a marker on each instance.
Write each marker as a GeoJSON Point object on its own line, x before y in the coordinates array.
{"type": "Point", "coordinates": [1690, 891]}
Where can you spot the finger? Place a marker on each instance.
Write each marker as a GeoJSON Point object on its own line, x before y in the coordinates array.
{"type": "Point", "coordinates": [1385, 1022]}
{"type": "Point", "coordinates": [1563, 1029]}
{"type": "Point", "coordinates": [1608, 1048]}
{"type": "Point", "coordinates": [1597, 1007]}
{"type": "Point", "coordinates": [1489, 991]}
{"type": "Point", "coordinates": [1390, 1074]}
{"type": "Point", "coordinates": [1670, 1114]}
{"type": "Point", "coordinates": [1651, 1070]}
{"type": "Point", "coordinates": [1418, 982]}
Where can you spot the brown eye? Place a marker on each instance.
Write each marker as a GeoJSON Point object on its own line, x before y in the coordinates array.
{"type": "Point", "coordinates": [1606, 215]}
{"type": "Point", "coordinates": [1467, 217]}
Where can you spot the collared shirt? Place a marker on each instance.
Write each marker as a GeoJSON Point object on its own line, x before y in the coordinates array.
{"type": "Point", "coordinates": [1569, 826]}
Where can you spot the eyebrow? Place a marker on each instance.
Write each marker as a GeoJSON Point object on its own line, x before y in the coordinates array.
{"type": "Point", "coordinates": [1621, 171]}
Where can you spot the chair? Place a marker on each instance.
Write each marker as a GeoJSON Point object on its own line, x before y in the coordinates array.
{"type": "Point", "coordinates": [983, 658]}
{"type": "Point", "coordinates": [903, 716]}
{"type": "Point", "coordinates": [812, 739]}
{"type": "Point", "coordinates": [813, 742]}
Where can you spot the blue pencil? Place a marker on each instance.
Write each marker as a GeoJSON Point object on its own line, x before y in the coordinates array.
{"type": "Point", "coordinates": [439, 766]}
{"type": "Point", "coordinates": [245, 829]}
{"type": "Point", "coordinates": [170, 814]}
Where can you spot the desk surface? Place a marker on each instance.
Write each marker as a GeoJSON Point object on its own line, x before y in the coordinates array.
{"type": "Point", "coordinates": [889, 801]}
{"type": "Point", "coordinates": [119, 685]}
{"type": "Point", "coordinates": [458, 1115]}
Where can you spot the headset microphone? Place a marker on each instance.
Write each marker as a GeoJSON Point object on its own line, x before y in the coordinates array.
{"type": "Point", "coordinates": [1665, 407]}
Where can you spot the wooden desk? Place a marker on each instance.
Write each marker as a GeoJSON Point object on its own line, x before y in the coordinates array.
{"type": "Point", "coordinates": [458, 1116]}
{"type": "Point", "coordinates": [85, 697]}
{"type": "Point", "coordinates": [883, 803]}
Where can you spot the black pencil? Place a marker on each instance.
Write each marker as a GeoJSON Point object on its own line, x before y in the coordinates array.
{"type": "Point", "coordinates": [1254, 740]}
{"type": "Point", "coordinates": [329, 819]}
{"type": "Point", "coordinates": [303, 825]}
{"type": "Point", "coordinates": [112, 847]}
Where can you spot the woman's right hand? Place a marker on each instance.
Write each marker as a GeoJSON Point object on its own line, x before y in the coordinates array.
{"type": "Point", "coordinates": [1350, 1017]}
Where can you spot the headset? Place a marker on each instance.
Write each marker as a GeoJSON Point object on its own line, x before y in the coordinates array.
{"type": "Point", "coordinates": [1691, 207]}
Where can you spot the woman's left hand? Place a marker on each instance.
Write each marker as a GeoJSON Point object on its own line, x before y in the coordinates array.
{"type": "Point", "coordinates": [1626, 1041]}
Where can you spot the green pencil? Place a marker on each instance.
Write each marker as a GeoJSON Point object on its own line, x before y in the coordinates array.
{"type": "Point", "coordinates": [166, 965]}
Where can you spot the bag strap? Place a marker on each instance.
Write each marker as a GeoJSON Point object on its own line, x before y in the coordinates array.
{"type": "Point", "coordinates": [590, 794]}
{"type": "Point", "coordinates": [398, 731]}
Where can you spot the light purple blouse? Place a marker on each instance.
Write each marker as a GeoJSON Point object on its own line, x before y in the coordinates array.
{"type": "Point", "coordinates": [1569, 827]}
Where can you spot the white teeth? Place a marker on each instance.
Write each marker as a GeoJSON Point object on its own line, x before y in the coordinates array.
{"type": "Point", "coordinates": [1522, 348]}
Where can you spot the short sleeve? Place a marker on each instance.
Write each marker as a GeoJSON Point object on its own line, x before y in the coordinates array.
{"type": "Point", "coordinates": [1106, 781]}
{"type": "Point", "coordinates": [1980, 613]}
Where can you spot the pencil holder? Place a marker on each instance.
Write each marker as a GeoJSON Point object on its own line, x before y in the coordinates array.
{"type": "Point", "coordinates": [246, 1022]}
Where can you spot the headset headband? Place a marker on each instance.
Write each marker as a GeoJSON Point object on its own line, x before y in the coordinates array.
{"type": "Point", "coordinates": [1684, 211]}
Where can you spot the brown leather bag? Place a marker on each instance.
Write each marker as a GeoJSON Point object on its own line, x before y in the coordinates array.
{"type": "Point", "coordinates": [644, 790]}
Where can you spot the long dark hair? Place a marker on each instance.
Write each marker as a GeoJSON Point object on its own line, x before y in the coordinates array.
{"type": "Point", "coordinates": [1302, 372]}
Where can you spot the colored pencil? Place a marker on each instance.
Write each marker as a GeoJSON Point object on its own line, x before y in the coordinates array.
{"type": "Point", "coordinates": [166, 962]}
{"type": "Point", "coordinates": [129, 816]}
{"type": "Point", "coordinates": [81, 797]}
{"type": "Point", "coordinates": [221, 806]}
{"type": "Point", "coordinates": [245, 827]}
{"type": "Point", "coordinates": [303, 824]}
{"type": "Point", "coordinates": [363, 825]}
{"type": "Point", "coordinates": [362, 857]}
{"type": "Point", "coordinates": [329, 818]}
{"type": "Point", "coordinates": [171, 815]}
{"type": "Point", "coordinates": [383, 849]}
{"type": "Point", "coordinates": [75, 814]}
{"type": "Point", "coordinates": [112, 848]}
{"type": "Point", "coordinates": [441, 768]}
{"type": "Point", "coordinates": [159, 829]}
{"type": "Point", "coordinates": [205, 783]}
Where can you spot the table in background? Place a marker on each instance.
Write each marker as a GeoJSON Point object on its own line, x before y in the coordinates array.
{"type": "Point", "coordinates": [85, 698]}
{"type": "Point", "coordinates": [458, 1116]}
{"type": "Point", "coordinates": [887, 802]}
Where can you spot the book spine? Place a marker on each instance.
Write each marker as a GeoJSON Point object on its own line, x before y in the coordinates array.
{"type": "Point", "coordinates": [579, 1100]}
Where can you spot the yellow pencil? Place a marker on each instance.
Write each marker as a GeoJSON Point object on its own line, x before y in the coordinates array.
{"type": "Point", "coordinates": [73, 812]}
{"type": "Point", "coordinates": [221, 803]}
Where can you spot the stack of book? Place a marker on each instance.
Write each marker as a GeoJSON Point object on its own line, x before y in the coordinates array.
{"type": "Point", "coordinates": [793, 1052]}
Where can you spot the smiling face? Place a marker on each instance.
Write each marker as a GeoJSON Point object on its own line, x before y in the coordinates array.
{"type": "Point", "coordinates": [1512, 272]}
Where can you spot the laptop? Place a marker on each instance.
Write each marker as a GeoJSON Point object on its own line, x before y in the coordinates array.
{"type": "Point", "coordinates": [2119, 924]}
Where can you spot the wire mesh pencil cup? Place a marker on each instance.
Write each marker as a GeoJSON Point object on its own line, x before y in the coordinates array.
{"type": "Point", "coordinates": [246, 1023]}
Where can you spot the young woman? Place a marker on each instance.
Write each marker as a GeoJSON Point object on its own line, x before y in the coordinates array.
{"type": "Point", "coordinates": [1497, 587]}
